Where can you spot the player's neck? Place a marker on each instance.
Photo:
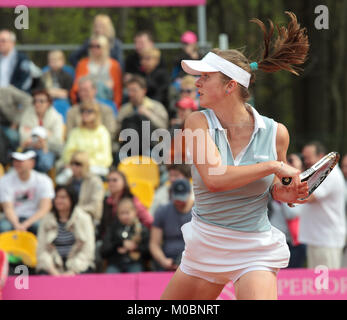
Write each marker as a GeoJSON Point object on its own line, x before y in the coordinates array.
{"type": "Point", "coordinates": [234, 113]}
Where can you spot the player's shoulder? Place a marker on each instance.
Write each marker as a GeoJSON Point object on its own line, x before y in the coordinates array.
{"type": "Point", "coordinates": [195, 120]}
{"type": "Point", "coordinates": [282, 133]}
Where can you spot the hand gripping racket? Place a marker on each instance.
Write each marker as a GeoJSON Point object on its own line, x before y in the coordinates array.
{"type": "Point", "coordinates": [317, 173]}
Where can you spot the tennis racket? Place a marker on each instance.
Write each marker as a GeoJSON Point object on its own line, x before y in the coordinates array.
{"type": "Point", "coordinates": [317, 173]}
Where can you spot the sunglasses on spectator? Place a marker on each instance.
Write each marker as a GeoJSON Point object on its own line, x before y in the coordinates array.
{"type": "Point", "coordinates": [89, 111]}
{"type": "Point", "coordinates": [76, 163]}
{"type": "Point", "coordinates": [112, 180]}
{"type": "Point", "coordinates": [187, 90]}
{"type": "Point", "coordinates": [96, 46]}
{"type": "Point", "coordinates": [40, 100]}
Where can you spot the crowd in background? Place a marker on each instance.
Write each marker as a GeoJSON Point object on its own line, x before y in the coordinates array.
{"type": "Point", "coordinates": [59, 145]}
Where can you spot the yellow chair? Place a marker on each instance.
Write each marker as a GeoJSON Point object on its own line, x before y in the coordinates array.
{"type": "Point", "coordinates": [21, 244]}
{"type": "Point", "coordinates": [143, 190]}
{"type": "Point", "coordinates": [140, 168]}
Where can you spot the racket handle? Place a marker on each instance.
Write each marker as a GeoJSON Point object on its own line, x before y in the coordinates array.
{"type": "Point", "coordinates": [287, 181]}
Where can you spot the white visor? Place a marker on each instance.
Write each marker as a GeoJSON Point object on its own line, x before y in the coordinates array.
{"type": "Point", "coordinates": [214, 63]}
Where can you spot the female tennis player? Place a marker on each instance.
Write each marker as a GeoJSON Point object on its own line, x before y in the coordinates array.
{"type": "Point", "coordinates": [240, 162]}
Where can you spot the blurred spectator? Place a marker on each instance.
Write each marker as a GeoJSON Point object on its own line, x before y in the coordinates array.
{"type": "Point", "coordinates": [15, 67]}
{"type": "Point", "coordinates": [89, 187]}
{"type": "Point", "coordinates": [323, 222]}
{"type": "Point", "coordinates": [102, 26]}
{"type": "Point", "coordinates": [25, 194]}
{"type": "Point", "coordinates": [92, 137]}
{"type": "Point", "coordinates": [185, 106]}
{"type": "Point", "coordinates": [140, 108]}
{"type": "Point", "coordinates": [287, 220]}
{"type": "Point", "coordinates": [58, 82]}
{"type": "Point", "coordinates": [87, 93]}
{"type": "Point", "coordinates": [44, 158]}
{"type": "Point", "coordinates": [166, 239]}
{"type": "Point", "coordinates": [4, 267]}
{"type": "Point", "coordinates": [188, 88]}
{"type": "Point", "coordinates": [118, 189]}
{"type": "Point", "coordinates": [66, 240]}
{"type": "Point", "coordinates": [157, 77]}
{"type": "Point", "coordinates": [13, 102]}
{"type": "Point", "coordinates": [42, 114]}
{"type": "Point", "coordinates": [190, 51]}
{"type": "Point", "coordinates": [185, 89]}
{"type": "Point", "coordinates": [143, 40]}
{"type": "Point", "coordinates": [126, 241]}
{"type": "Point", "coordinates": [162, 194]}
{"type": "Point", "coordinates": [344, 171]}
{"type": "Point", "coordinates": [106, 72]}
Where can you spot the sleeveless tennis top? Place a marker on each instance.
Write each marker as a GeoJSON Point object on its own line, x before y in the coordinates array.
{"type": "Point", "coordinates": [243, 209]}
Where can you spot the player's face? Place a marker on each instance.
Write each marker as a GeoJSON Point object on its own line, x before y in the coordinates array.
{"type": "Point", "coordinates": [211, 88]}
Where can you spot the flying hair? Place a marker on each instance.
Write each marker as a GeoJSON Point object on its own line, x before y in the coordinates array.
{"type": "Point", "coordinates": [288, 51]}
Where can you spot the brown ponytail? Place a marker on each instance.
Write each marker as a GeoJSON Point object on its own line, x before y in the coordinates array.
{"type": "Point", "coordinates": [288, 51]}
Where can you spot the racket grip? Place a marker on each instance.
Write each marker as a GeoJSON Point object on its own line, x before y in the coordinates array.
{"type": "Point", "coordinates": [287, 181]}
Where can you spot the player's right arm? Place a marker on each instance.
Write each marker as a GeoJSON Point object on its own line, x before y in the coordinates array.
{"type": "Point", "coordinates": [207, 159]}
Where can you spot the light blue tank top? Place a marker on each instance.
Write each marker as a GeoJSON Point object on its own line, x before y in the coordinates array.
{"type": "Point", "coordinates": [243, 209]}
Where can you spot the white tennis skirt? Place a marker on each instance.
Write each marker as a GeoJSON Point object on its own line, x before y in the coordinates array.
{"type": "Point", "coordinates": [210, 248]}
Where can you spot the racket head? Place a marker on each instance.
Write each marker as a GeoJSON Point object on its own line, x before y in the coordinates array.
{"type": "Point", "coordinates": [319, 172]}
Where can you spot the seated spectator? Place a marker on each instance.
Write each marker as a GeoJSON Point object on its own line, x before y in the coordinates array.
{"type": "Point", "coordinates": [185, 89]}
{"type": "Point", "coordinates": [106, 72]}
{"type": "Point", "coordinates": [42, 114]}
{"type": "Point", "coordinates": [185, 107]}
{"type": "Point", "coordinates": [190, 51]}
{"type": "Point", "coordinates": [162, 194]}
{"type": "Point", "coordinates": [87, 94]}
{"type": "Point", "coordinates": [140, 108]}
{"type": "Point", "coordinates": [91, 137]}
{"type": "Point", "coordinates": [89, 187]}
{"type": "Point", "coordinates": [102, 26]}
{"type": "Point", "coordinates": [166, 239]}
{"type": "Point", "coordinates": [13, 102]}
{"type": "Point", "coordinates": [126, 240]}
{"type": "Point", "coordinates": [25, 194]}
{"type": "Point", "coordinates": [66, 240]}
{"type": "Point", "coordinates": [58, 82]}
{"type": "Point", "coordinates": [15, 66]}
{"type": "Point", "coordinates": [157, 77]}
{"type": "Point", "coordinates": [143, 40]}
{"type": "Point", "coordinates": [188, 88]}
{"type": "Point", "coordinates": [44, 158]}
{"type": "Point", "coordinates": [118, 189]}
{"type": "Point", "coordinates": [344, 171]}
